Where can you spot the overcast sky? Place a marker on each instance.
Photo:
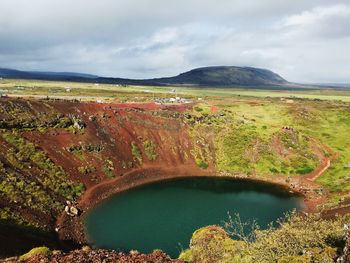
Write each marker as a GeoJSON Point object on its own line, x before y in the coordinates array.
{"type": "Point", "coordinates": [302, 40]}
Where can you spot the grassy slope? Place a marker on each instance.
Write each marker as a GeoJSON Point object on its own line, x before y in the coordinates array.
{"type": "Point", "coordinates": [245, 138]}
{"type": "Point", "coordinates": [248, 137]}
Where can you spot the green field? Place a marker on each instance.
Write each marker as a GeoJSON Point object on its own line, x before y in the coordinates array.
{"type": "Point", "coordinates": [91, 91]}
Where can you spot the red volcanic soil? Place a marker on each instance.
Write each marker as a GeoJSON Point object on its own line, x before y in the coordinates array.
{"type": "Point", "coordinates": [114, 128]}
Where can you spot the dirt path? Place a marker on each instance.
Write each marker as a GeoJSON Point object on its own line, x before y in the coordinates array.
{"type": "Point", "coordinates": [325, 164]}
{"type": "Point", "coordinates": [331, 213]}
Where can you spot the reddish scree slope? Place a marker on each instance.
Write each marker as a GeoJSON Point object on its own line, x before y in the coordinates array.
{"type": "Point", "coordinates": [116, 127]}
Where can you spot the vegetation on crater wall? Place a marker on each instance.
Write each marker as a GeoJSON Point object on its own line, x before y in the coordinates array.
{"type": "Point", "coordinates": [108, 168]}
{"type": "Point", "coordinates": [35, 251]}
{"type": "Point", "coordinates": [135, 150]}
{"type": "Point", "coordinates": [29, 178]}
{"type": "Point", "coordinates": [150, 149]}
{"type": "Point", "coordinates": [13, 218]}
{"type": "Point", "coordinates": [22, 116]}
{"type": "Point", "coordinates": [248, 139]}
{"type": "Point", "coordinates": [332, 129]}
{"type": "Point", "coordinates": [307, 239]}
{"type": "Point", "coordinates": [26, 153]}
{"type": "Point", "coordinates": [86, 169]}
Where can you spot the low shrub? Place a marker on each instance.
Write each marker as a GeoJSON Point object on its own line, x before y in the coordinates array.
{"type": "Point", "coordinates": [294, 239]}
{"type": "Point", "coordinates": [150, 150]}
{"type": "Point", "coordinates": [136, 152]}
{"type": "Point", "coordinates": [202, 164]}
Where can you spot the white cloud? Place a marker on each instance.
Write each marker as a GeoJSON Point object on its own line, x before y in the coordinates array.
{"type": "Point", "coordinates": [318, 14]}
{"type": "Point", "coordinates": [302, 40]}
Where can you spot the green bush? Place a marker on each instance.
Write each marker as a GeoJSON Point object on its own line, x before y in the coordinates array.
{"type": "Point", "coordinates": [108, 168]}
{"type": "Point", "coordinates": [136, 152]}
{"type": "Point", "coordinates": [297, 239]}
{"type": "Point", "coordinates": [202, 164]}
{"type": "Point", "coordinates": [212, 244]}
{"type": "Point", "coordinates": [150, 150]}
{"type": "Point", "coordinates": [198, 109]}
{"type": "Point", "coordinates": [86, 169]}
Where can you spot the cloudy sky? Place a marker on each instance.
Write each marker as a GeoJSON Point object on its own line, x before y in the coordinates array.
{"type": "Point", "coordinates": [302, 40]}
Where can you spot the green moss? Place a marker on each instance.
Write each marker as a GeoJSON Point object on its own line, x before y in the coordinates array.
{"type": "Point", "coordinates": [35, 251]}
{"type": "Point", "coordinates": [186, 255]}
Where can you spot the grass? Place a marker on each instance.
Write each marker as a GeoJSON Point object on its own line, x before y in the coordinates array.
{"type": "Point", "coordinates": [247, 125]}
{"type": "Point", "coordinates": [332, 128]}
{"type": "Point", "coordinates": [248, 137]}
{"type": "Point", "coordinates": [93, 91]}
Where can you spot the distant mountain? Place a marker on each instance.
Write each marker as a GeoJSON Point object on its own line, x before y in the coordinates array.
{"type": "Point", "coordinates": [208, 76]}
{"type": "Point", "coordinates": [62, 76]}
{"type": "Point", "coordinates": [336, 85]}
{"type": "Point", "coordinates": [220, 76]}
{"type": "Point", "coordinates": [226, 76]}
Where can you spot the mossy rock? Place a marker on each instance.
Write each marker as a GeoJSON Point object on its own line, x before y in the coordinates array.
{"type": "Point", "coordinates": [186, 255]}
{"type": "Point", "coordinates": [35, 251]}
{"type": "Point", "coordinates": [213, 244]}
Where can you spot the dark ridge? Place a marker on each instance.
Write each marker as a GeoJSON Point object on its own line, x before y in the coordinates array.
{"type": "Point", "coordinates": [208, 76]}
{"type": "Point", "coordinates": [218, 76]}
{"type": "Point", "coordinates": [58, 76]}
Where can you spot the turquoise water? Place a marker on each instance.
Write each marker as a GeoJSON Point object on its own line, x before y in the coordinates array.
{"type": "Point", "coordinates": [165, 214]}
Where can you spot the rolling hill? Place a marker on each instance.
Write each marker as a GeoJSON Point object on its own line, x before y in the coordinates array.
{"type": "Point", "coordinates": [221, 76]}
